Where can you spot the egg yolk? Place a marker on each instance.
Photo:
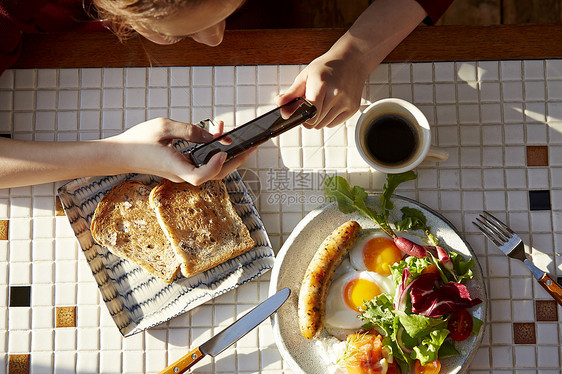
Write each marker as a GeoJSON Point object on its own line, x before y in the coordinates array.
{"type": "Point", "coordinates": [379, 253]}
{"type": "Point", "coordinates": [359, 290]}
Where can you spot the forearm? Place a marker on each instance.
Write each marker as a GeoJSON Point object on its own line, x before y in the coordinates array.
{"type": "Point", "coordinates": [377, 31]}
{"type": "Point", "coordinates": [27, 163]}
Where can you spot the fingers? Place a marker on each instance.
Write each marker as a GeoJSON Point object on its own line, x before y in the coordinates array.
{"type": "Point", "coordinates": [179, 130]}
{"type": "Point", "coordinates": [297, 89]}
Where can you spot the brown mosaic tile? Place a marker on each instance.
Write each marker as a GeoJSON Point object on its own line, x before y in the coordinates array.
{"type": "Point", "coordinates": [547, 310]}
{"type": "Point", "coordinates": [59, 211]}
{"type": "Point", "coordinates": [524, 333]}
{"type": "Point", "coordinates": [537, 155]}
{"type": "Point", "coordinates": [4, 229]}
{"type": "Point", "coordinates": [65, 316]}
{"type": "Point", "coordinates": [18, 364]}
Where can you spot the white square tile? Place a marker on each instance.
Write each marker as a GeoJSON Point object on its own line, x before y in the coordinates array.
{"type": "Point", "coordinates": [501, 310]}
{"type": "Point", "coordinates": [68, 78]}
{"type": "Point", "coordinates": [512, 91]}
{"type": "Point", "coordinates": [136, 77]}
{"type": "Point", "coordinates": [112, 119]}
{"type": "Point", "coordinates": [180, 114]}
{"type": "Point", "coordinates": [20, 251]}
{"type": "Point", "coordinates": [89, 99]}
{"type": "Point", "coordinates": [502, 333]}
{"type": "Point", "coordinates": [45, 121]}
{"type": "Point", "coordinates": [224, 95]}
{"type": "Point", "coordinates": [514, 134]}
{"type": "Point", "coordinates": [23, 100]}
{"type": "Point", "coordinates": [493, 178]}
{"type": "Point", "coordinates": [525, 356]}
{"type": "Point", "coordinates": [202, 76]}
{"type": "Point", "coordinates": [246, 74]}
{"type": "Point", "coordinates": [68, 99]}
{"type": "Point", "coordinates": [20, 273]}
{"type": "Point", "coordinates": [423, 93]}
{"type": "Point", "coordinates": [46, 78]}
{"type": "Point", "coordinates": [158, 77]}
{"type": "Point", "coordinates": [446, 114]}
{"type": "Point", "coordinates": [246, 95]}
{"type": "Point", "coordinates": [90, 78]}
{"type": "Point", "coordinates": [113, 98]}
{"type": "Point", "coordinates": [495, 200]}
{"type": "Point", "coordinates": [65, 339]}
{"type": "Point", "coordinates": [445, 93]}
{"type": "Point", "coordinates": [89, 120]}
{"type": "Point", "coordinates": [19, 318]}
{"type": "Point", "coordinates": [490, 91]}
{"type": "Point", "coordinates": [42, 294]}
{"type": "Point", "coordinates": [444, 72]}
{"type": "Point", "coordinates": [25, 78]}
{"type": "Point", "coordinates": [65, 294]}
{"type": "Point", "coordinates": [267, 75]}
{"type": "Point", "coordinates": [514, 156]}
{"type": "Point", "coordinates": [87, 339]}
{"type": "Point", "coordinates": [522, 288]}
{"type": "Point", "coordinates": [378, 92]}
{"type": "Point", "coordinates": [23, 121]}
{"type": "Point", "coordinates": [42, 341]}
{"type": "Point", "coordinates": [467, 92]}
{"type": "Point", "coordinates": [224, 75]}
{"type": "Point", "coordinates": [67, 121]}
{"type": "Point", "coordinates": [266, 96]}
{"type": "Point", "coordinates": [510, 70]}
{"type": "Point", "coordinates": [180, 76]}
{"type": "Point", "coordinates": [87, 362]}
{"type": "Point", "coordinates": [535, 112]}
{"type": "Point", "coordinates": [158, 97]}
{"type": "Point", "coordinates": [19, 341]}
{"type": "Point", "coordinates": [402, 91]}
{"type": "Point", "coordinates": [202, 96]}
{"type": "Point", "coordinates": [113, 77]}
{"type": "Point", "coordinates": [422, 72]}
{"type": "Point", "coordinates": [466, 71]}
{"type": "Point", "coordinates": [20, 228]}
{"type": "Point", "coordinates": [548, 356]}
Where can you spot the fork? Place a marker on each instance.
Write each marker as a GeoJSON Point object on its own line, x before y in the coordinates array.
{"type": "Point", "coordinates": [512, 246]}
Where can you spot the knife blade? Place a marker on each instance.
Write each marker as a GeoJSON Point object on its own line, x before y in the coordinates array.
{"type": "Point", "coordinates": [231, 334]}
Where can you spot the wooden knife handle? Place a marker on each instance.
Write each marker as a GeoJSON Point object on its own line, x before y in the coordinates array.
{"type": "Point", "coordinates": [552, 288]}
{"type": "Point", "coordinates": [184, 363]}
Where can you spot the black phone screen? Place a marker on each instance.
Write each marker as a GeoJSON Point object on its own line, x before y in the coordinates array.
{"type": "Point", "coordinates": [256, 131]}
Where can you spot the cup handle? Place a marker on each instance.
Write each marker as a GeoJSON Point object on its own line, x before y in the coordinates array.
{"type": "Point", "coordinates": [437, 154]}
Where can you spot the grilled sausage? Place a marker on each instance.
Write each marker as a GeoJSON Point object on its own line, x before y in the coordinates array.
{"type": "Point", "coordinates": [318, 277]}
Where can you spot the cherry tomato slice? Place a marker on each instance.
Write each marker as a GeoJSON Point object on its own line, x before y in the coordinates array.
{"type": "Point", "coordinates": [460, 325]}
{"type": "Point", "coordinates": [432, 367]}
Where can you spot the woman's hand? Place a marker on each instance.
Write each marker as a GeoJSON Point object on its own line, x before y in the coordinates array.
{"type": "Point", "coordinates": [148, 148]}
{"type": "Point", "coordinates": [333, 84]}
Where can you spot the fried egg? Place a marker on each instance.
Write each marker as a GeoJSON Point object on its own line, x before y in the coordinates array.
{"type": "Point", "coordinates": [374, 251]}
{"type": "Point", "coordinates": [348, 293]}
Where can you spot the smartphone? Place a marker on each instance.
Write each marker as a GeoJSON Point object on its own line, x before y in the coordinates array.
{"type": "Point", "coordinates": [255, 132]}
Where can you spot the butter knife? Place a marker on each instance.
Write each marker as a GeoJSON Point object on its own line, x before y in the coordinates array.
{"type": "Point", "coordinates": [231, 334]}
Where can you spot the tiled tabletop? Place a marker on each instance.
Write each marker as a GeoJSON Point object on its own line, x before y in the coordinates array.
{"type": "Point", "coordinates": [500, 121]}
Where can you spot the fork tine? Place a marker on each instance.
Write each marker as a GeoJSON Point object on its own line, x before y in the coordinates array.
{"type": "Point", "coordinates": [498, 222]}
{"type": "Point", "coordinates": [498, 232]}
{"type": "Point", "coordinates": [483, 227]}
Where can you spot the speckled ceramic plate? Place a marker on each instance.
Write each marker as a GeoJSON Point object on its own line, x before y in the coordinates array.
{"type": "Point", "coordinates": [137, 300]}
{"type": "Point", "coordinates": [303, 355]}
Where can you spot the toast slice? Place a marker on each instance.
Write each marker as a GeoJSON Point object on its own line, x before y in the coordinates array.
{"type": "Point", "coordinates": [201, 224]}
{"type": "Point", "coordinates": [125, 223]}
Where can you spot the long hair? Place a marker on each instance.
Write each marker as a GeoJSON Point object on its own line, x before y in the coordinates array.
{"type": "Point", "coordinates": [121, 15]}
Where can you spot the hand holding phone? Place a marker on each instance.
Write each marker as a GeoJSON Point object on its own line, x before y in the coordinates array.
{"type": "Point", "coordinates": [255, 132]}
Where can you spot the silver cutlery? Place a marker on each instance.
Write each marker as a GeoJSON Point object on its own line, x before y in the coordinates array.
{"type": "Point", "coordinates": [512, 246]}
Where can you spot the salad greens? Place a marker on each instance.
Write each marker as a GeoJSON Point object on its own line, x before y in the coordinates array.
{"type": "Point", "coordinates": [414, 321]}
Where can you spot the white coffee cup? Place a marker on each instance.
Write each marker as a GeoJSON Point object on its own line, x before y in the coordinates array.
{"type": "Point", "coordinates": [393, 136]}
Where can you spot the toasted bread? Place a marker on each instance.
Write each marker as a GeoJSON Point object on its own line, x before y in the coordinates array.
{"type": "Point", "coordinates": [201, 224]}
{"type": "Point", "coordinates": [124, 223]}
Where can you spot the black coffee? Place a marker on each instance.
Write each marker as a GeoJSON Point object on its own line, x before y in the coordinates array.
{"type": "Point", "coordinates": [391, 139]}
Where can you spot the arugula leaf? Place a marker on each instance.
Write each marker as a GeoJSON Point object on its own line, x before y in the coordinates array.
{"type": "Point", "coordinates": [392, 181]}
{"type": "Point", "coordinates": [414, 219]}
{"type": "Point", "coordinates": [463, 269]}
{"type": "Point", "coordinates": [353, 199]}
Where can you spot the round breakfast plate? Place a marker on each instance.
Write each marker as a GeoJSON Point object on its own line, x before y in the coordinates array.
{"type": "Point", "coordinates": [304, 356]}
